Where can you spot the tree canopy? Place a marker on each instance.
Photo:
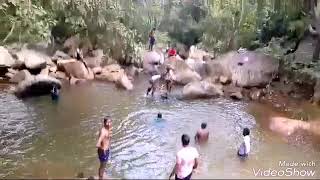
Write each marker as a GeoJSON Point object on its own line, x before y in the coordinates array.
{"type": "Point", "coordinates": [122, 26]}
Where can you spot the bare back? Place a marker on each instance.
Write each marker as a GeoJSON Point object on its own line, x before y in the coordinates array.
{"type": "Point", "coordinates": [202, 135]}
{"type": "Point", "coordinates": [104, 139]}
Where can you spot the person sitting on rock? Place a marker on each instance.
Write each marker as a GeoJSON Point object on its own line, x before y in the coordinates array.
{"type": "Point", "coordinates": [244, 148]}
{"type": "Point", "coordinates": [159, 117]}
{"type": "Point", "coordinates": [153, 84]}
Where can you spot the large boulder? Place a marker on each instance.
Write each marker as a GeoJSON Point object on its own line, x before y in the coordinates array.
{"type": "Point", "coordinates": [198, 54]}
{"type": "Point", "coordinates": [132, 71]}
{"type": "Point", "coordinates": [151, 60]}
{"type": "Point", "coordinates": [95, 59]}
{"type": "Point", "coordinates": [33, 60]}
{"type": "Point", "coordinates": [76, 81]}
{"type": "Point", "coordinates": [59, 75]}
{"type": "Point", "coordinates": [6, 58]}
{"type": "Point", "coordinates": [183, 51]}
{"type": "Point", "coordinates": [286, 127]}
{"type": "Point", "coordinates": [17, 77]}
{"type": "Point", "coordinates": [182, 72]}
{"type": "Point", "coordinates": [201, 89]}
{"type": "Point", "coordinates": [71, 44]}
{"type": "Point", "coordinates": [114, 73]}
{"type": "Point", "coordinates": [248, 69]}
{"type": "Point", "coordinates": [77, 69]}
{"type": "Point", "coordinates": [316, 93]}
{"type": "Point", "coordinates": [60, 55]}
{"type": "Point", "coordinates": [124, 82]}
{"type": "Point", "coordinates": [36, 86]}
{"type": "Point", "coordinates": [198, 66]}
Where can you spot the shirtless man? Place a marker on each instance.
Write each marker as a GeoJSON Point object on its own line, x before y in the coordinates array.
{"type": "Point", "coordinates": [186, 160]}
{"type": "Point", "coordinates": [153, 84]}
{"type": "Point", "coordinates": [202, 134]}
{"type": "Point", "coordinates": [103, 144]}
{"type": "Point", "coordinates": [168, 77]}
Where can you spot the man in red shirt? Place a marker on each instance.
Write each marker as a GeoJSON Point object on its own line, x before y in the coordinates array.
{"type": "Point", "coordinates": [172, 52]}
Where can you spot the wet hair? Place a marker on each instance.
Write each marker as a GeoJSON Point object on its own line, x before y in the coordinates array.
{"type": "Point", "coordinates": [246, 132]}
{"type": "Point", "coordinates": [203, 125]}
{"type": "Point", "coordinates": [159, 115]}
{"type": "Point", "coordinates": [154, 29]}
{"type": "Point", "coordinates": [185, 140]}
{"type": "Point", "coordinates": [105, 119]}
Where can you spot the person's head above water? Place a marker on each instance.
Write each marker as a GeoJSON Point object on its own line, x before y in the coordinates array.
{"type": "Point", "coordinates": [160, 115]}
{"type": "Point", "coordinates": [185, 139]}
{"type": "Point", "coordinates": [203, 125]}
{"type": "Point", "coordinates": [107, 121]}
{"type": "Point", "coordinates": [246, 132]}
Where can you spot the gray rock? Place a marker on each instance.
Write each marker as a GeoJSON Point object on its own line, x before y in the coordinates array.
{"type": "Point", "coordinates": [20, 76]}
{"type": "Point", "coordinates": [32, 59]}
{"type": "Point", "coordinates": [236, 95]}
{"type": "Point", "coordinates": [201, 89]}
{"type": "Point", "coordinates": [248, 69]}
{"type": "Point", "coordinates": [6, 58]}
{"type": "Point", "coordinates": [36, 86]}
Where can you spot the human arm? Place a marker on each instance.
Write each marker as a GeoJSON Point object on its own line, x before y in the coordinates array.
{"type": "Point", "coordinates": [196, 161]}
{"type": "Point", "coordinates": [196, 137]}
{"type": "Point", "coordinates": [174, 170]}
{"type": "Point", "coordinates": [110, 131]}
{"type": "Point", "coordinates": [101, 134]}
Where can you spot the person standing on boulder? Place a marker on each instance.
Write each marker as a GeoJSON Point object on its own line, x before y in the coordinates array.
{"type": "Point", "coordinates": [152, 39]}
{"type": "Point", "coordinates": [186, 160]}
{"type": "Point", "coordinates": [79, 57]}
{"type": "Point", "coordinates": [103, 145]}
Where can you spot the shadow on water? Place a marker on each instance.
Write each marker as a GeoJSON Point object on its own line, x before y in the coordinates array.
{"type": "Point", "coordinates": [45, 139]}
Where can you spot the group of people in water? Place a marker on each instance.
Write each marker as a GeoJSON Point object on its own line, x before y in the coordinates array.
{"type": "Point", "coordinates": [186, 158]}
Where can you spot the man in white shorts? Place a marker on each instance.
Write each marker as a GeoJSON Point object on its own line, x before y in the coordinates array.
{"type": "Point", "coordinates": [186, 160]}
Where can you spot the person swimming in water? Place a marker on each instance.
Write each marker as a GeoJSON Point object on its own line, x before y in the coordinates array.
{"type": "Point", "coordinates": [159, 117]}
{"type": "Point", "coordinates": [103, 144]}
{"type": "Point", "coordinates": [202, 134]}
{"type": "Point", "coordinates": [244, 148]}
{"type": "Point", "coordinates": [55, 93]}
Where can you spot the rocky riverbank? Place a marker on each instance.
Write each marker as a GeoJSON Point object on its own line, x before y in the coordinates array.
{"type": "Point", "coordinates": [36, 72]}
{"type": "Point", "coordinates": [264, 75]}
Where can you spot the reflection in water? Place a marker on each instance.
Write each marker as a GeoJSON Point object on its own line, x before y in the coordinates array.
{"type": "Point", "coordinates": [42, 139]}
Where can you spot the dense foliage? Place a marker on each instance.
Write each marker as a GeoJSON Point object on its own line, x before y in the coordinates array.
{"type": "Point", "coordinates": [121, 27]}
